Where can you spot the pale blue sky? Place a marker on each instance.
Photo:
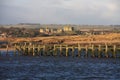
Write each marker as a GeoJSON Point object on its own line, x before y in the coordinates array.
{"type": "Point", "coordinates": [60, 11]}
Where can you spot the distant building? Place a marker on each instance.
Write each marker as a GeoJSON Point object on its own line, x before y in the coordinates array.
{"type": "Point", "coordinates": [67, 28]}
{"type": "Point", "coordinates": [54, 31]}
{"type": "Point", "coordinates": [51, 30]}
{"type": "Point", "coordinates": [59, 30]}
{"type": "Point", "coordinates": [41, 30]}
{"type": "Point", "coordinates": [47, 30]}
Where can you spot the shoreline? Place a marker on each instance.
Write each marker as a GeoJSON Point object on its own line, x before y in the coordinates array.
{"type": "Point", "coordinates": [9, 49]}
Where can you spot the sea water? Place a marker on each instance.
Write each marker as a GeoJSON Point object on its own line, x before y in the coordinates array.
{"type": "Point", "coordinates": [58, 68]}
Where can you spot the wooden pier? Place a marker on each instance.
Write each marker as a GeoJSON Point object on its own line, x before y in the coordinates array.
{"type": "Point", "coordinates": [86, 50]}
{"type": "Point", "coordinates": [74, 50]}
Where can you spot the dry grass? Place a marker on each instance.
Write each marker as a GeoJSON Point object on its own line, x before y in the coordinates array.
{"type": "Point", "coordinates": [69, 39]}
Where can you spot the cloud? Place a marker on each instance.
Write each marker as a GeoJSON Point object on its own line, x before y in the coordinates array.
{"type": "Point", "coordinates": [60, 11]}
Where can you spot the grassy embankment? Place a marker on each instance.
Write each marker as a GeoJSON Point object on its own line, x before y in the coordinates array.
{"type": "Point", "coordinates": [113, 37]}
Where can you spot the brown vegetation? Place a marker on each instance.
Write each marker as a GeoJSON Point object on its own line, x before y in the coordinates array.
{"type": "Point", "coordinates": [112, 37]}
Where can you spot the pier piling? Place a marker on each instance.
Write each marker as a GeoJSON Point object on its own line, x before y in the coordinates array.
{"type": "Point", "coordinates": [106, 50]}
{"type": "Point", "coordinates": [7, 50]}
{"type": "Point", "coordinates": [15, 50]}
{"type": "Point", "coordinates": [99, 51]}
{"type": "Point", "coordinates": [79, 49]}
{"type": "Point", "coordinates": [114, 51]}
{"type": "Point", "coordinates": [86, 51]}
{"type": "Point", "coordinates": [60, 50]}
{"type": "Point", "coordinates": [65, 50]}
{"type": "Point", "coordinates": [93, 55]}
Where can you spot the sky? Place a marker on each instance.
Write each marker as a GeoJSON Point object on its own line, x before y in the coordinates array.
{"type": "Point", "coordinates": [103, 12]}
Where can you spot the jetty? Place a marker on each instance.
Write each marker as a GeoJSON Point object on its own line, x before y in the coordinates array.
{"type": "Point", "coordinates": [83, 49]}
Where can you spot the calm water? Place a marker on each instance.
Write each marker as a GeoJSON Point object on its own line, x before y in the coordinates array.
{"type": "Point", "coordinates": [58, 68]}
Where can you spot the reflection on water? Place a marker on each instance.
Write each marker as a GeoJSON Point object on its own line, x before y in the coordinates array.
{"type": "Point", "coordinates": [58, 68]}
